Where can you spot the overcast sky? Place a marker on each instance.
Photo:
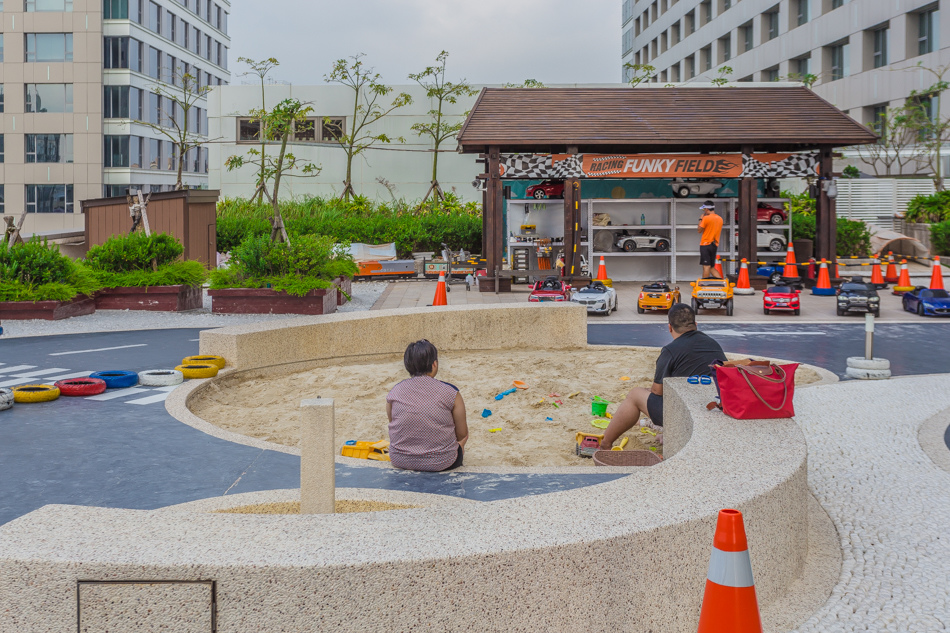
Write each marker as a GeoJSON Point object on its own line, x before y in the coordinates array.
{"type": "Point", "coordinates": [489, 41]}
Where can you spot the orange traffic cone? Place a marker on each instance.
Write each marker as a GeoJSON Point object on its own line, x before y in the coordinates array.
{"type": "Point", "coordinates": [602, 270]}
{"type": "Point", "coordinates": [743, 287]}
{"type": "Point", "coordinates": [936, 277]}
{"type": "Point", "coordinates": [718, 267]}
{"type": "Point", "coordinates": [837, 272]}
{"type": "Point", "coordinates": [891, 275]}
{"type": "Point", "coordinates": [441, 299]}
{"type": "Point", "coordinates": [823, 287]}
{"type": "Point", "coordinates": [877, 279]}
{"type": "Point", "coordinates": [903, 283]}
{"type": "Point", "coordinates": [791, 270]}
{"type": "Point", "coordinates": [729, 602]}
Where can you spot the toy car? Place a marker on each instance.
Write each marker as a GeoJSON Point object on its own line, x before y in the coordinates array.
{"type": "Point", "coordinates": [597, 298]}
{"type": "Point", "coordinates": [546, 189]}
{"type": "Point", "coordinates": [774, 242]}
{"type": "Point", "coordinates": [551, 289]}
{"type": "Point", "coordinates": [683, 187]}
{"type": "Point", "coordinates": [857, 296]}
{"type": "Point", "coordinates": [586, 444]}
{"type": "Point", "coordinates": [765, 212]}
{"type": "Point", "coordinates": [657, 296]}
{"type": "Point", "coordinates": [712, 294]}
{"type": "Point", "coordinates": [643, 239]}
{"type": "Point", "coordinates": [781, 298]}
{"type": "Point", "coordinates": [925, 301]}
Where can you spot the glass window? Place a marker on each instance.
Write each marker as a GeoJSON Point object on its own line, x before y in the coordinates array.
{"type": "Point", "coordinates": [154, 63]}
{"type": "Point", "coordinates": [880, 47]}
{"type": "Point", "coordinates": [49, 5]}
{"type": "Point", "coordinates": [168, 27]}
{"type": "Point", "coordinates": [154, 153]}
{"type": "Point", "coordinates": [224, 22]}
{"type": "Point", "coordinates": [801, 14]}
{"type": "Point", "coordinates": [154, 109]}
{"type": "Point", "coordinates": [927, 32]}
{"type": "Point", "coordinates": [116, 151]}
{"type": "Point", "coordinates": [195, 41]}
{"type": "Point", "coordinates": [771, 74]}
{"type": "Point", "coordinates": [115, 52]}
{"type": "Point", "coordinates": [747, 38]}
{"type": "Point", "coordinates": [136, 13]}
{"type": "Point", "coordinates": [136, 99]}
{"type": "Point", "coordinates": [2, 205]}
{"type": "Point", "coordinates": [332, 129]}
{"type": "Point", "coordinates": [49, 148]}
{"type": "Point", "coordinates": [1, 97]}
{"type": "Point", "coordinates": [802, 64]}
{"type": "Point", "coordinates": [171, 155]}
{"type": "Point", "coordinates": [772, 24]}
{"type": "Point", "coordinates": [839, 61]}
{"type": "Point", "coordinates": [170, 74]}
{"type": "Point", "coordinates": [1, 40]}
{"type": "Point", "coordinates": [208, 48]}
{"type": "Point", "coordinates": [306, 131]}
{"type": "Point", "coordinates": [184, 35]}
{"type": "Point", "coordinates": [115, 102]}
{"type": "Point", "coordinates": [1, 148]}
{"type": "Point", "coordinates": [49, 47]}
{"type": "Point", "coordinates": [725, 48]}
{"type": "Point", "coordinates": [690, 66]}
{"type": "Point", "coordinates": [879, 119]}
{"type": "Point", "coordinates": [135, 55]}
{"type": "Point", "coordinates": [49, 97]}
{"type": "Point", "coordinates": [154, 18]}
{"type": "Point", "coordinates": [115, 9]}
{"type": "Point", "coordinates": [49, 198]}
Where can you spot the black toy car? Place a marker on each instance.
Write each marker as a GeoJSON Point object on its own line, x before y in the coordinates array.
{"type": "Point", "coordinates": [857, 296]}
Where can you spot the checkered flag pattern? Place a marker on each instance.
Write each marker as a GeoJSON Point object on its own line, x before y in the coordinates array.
{"type": "Point", "coordinates": [538, 166]}
{"type": "Point", "coordinates": [796, 165]}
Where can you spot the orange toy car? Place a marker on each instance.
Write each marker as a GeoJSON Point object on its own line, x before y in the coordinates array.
{"type": "Point", "coordinates": [657, 296]}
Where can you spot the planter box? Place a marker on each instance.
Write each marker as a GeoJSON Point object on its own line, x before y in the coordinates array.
{"type": "Point", "coordinates": [346, 285]}
{"type": "Point", "coordinates": [487, 284]}
{"type": "Point", "coordinates": [47, 310]}
{"type": "Point", "coordinates": [268, 301]}
{"type": "Point", "coordinates": [158, 298]}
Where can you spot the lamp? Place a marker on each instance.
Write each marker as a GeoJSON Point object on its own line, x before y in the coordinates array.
{"type": "Point", "coordinates": [829, 187]}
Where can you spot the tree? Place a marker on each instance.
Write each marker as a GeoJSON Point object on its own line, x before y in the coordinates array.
{"type": "Point", "coordinates": [177, 122]}
{"type": "Point", "coordinates": [368, 90]}
{"type": "Point", "coordinates": [527, 83]}
{"type": "Point", "coordinates": [897, 145]}
{"type": "Point", "coordinates": [807, 80]}
{"type": "Point", "coordinates": [438, 128]}
{"type": "Point", "coordinates": [722, 79]}
{"type": "Point", "coordinates": [260, 69]}
{"type": "Point", "coordinates": [281, 122]}
{"type": "Point", "coordinates": [925, 119]}
{"type": "Point", "coordinates": [638, 73]}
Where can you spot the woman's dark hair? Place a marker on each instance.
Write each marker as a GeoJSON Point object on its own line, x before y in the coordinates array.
{"type": "Point", "coordinates": [419, 357]}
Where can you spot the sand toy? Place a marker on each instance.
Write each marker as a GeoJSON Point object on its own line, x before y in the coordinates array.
{"type": "Point", "coordinates": [507, 392]}
{"type": "Point", "coordinates": [520, 384]}
{"type": "Point", "coordinates": [378, 451]}
{"type": "Point", "coordinates": [586, 444]}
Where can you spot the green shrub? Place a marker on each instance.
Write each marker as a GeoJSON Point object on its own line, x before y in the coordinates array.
{"type": "Point", "coordinates": [854, 238]}
{"type": "Point", "coordinates": [799, 203]}
{"type": "Point", "coordinates": [124, 253]}
{"type": "Point", "coordinates": [940, 238]}
{"type": "Point", "coordinates": [929, 209]}
{"type": "Point", "coordinates": [37, 271]}
{"type": "Point", "coordinates": [803, 226]}
{"type": "Point", "coordinates": [308, 263]}
{"type": "Point", "coordinates": [189, 273]}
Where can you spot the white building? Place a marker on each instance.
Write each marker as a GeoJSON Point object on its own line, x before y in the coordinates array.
{"type": "Point", "coordinates": [857, 49]}
{"type": "Point", "coordinates": [77, 75]}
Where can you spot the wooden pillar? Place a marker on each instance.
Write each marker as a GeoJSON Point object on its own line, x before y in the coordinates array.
{"type": "Point", "coordinates": [493, 213]}
{"type": "Point", "coordinates": [748, 201]}
{"type": "Point", "coordinates": [826, 230]}
{"type": "Point", "coordinates": [572, 219]}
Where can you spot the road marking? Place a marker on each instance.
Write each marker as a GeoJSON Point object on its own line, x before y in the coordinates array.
{"type": "Point", "coordinates": [149, 399]}
{"type": "Point", "coordinates": [118, 393]}
{"type": "Point", "coordinates": [75, 374]}
{"type": "Point", "coordinates": [741, 334]}
{"type": "Point", "coordinates": [194, 339]}
{"type": "Point", "coordinates": [168, 388]}
{"type": "Point", "coordinates": [25, 378]}
{"type": "Point", "coordinates": [101, 349]}
{"type": "Point", "coordinates": [7, 370]}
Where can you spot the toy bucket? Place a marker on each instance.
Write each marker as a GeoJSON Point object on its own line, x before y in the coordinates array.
{"type": "Point", "coordinates": [598, 407]}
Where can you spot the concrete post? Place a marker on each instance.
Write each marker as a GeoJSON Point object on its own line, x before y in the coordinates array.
{"type": "Point", "coordinates": [317, 465]}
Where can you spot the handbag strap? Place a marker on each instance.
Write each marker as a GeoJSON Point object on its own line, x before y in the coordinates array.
{"type": "Point", "coordinates": [780, 371]}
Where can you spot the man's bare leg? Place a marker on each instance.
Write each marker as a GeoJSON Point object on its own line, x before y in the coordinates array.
{"type": "Point", "coordinates": [627, 415]}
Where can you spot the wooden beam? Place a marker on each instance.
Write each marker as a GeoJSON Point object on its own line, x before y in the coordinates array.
{"type": "Point", "coordinates": [826, 229]}
{"type": "Point", "coordinates": [748, 201]}
{"type": "Point", "coordinates": [493, 213]}
{"type": "Point", "coordinates": [572, 218]}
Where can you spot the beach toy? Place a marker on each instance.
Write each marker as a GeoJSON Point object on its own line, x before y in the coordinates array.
{"type": "Point", "coordinates": [576, 393]}
{"type": "Point", "coordinates": [549, 419]}
{"type": "Point", "coordinates": [644, 429]}
{"type": "Point", "coordinates": [625, 378]}
{"type": "Point", "coordinates": [623, 443]}
{"type": "Point", "coordinates": [608, 416]}
{"type": "Point", "coordinates": [505, 393]}
{"type": "Point", "coordinates": [598, 406]}
{"type": "Point", "coordinates": [555, 395]}
{"type": "Point", "coordinates": [486, 413]}
{"type": "Point", "coordinates": [600, 424]}
{"type": "Point", "coordinates": [494, 430]}
{"type": "Point", "coordinates": [378, 451]}
{"type": "Point", "coordinates": [519, 384]}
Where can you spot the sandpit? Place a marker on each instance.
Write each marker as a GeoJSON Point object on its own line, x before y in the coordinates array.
{"type": "Point", "coordinates": [268, 407]}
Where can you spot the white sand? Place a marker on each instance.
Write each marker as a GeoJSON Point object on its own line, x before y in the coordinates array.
{"type": "Point", "coordinates": [268, 408]}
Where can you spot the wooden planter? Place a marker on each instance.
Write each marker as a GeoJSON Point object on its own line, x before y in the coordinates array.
{"type": "Point", "coordinates": [268, 301]}
{"type": "Point", "coordinates": [345, 284]}
{"type": "Point", "coordinates": [47, 310]}
{"type": "Point", "coordinates": [158, 298]}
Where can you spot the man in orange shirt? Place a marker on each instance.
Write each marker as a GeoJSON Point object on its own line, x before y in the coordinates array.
{"type": "Point", "coordinates": [710, 226]}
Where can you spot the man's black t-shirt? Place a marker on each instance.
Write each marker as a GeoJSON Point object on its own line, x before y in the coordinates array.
{"type": "Point", "coordinates": [688, 355]}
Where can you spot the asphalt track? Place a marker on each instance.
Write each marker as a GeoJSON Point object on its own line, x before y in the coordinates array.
{"type": "Point", "coordinates": [124, 450]}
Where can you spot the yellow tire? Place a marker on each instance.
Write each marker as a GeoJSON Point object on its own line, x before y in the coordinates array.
{"type": "Point", "coordinates": [217, 361]}
{"type": "Point", "coordinates": [194, 370]}
{"type": "Point", "coordinates": [35, 393]}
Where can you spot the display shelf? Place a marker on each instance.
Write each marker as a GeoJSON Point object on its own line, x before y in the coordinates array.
{"type": "Point", "coordinates": [633, 226]}
{"type": "Point", "coordinates": [634, 254]}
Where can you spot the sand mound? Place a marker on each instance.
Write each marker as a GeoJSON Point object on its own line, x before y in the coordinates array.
{"type": "Point", "coordinates": [534, 429]}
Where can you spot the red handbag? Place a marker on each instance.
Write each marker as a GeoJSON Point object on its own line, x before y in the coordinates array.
{"type": "Point", "coordinates": [756, 390]}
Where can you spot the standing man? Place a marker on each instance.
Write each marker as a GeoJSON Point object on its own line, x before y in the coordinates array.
{"type": "Point", "coordinates": [710, 227]}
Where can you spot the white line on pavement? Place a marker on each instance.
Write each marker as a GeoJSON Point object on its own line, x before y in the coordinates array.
{"type": "Point", "coordinates": [7, 370]}
{"type": "Point", "coordinates": [101, 349]}
{"type": "Point", "coordinates": [168, 388]}
{"type": "Point", "coordinates": [741, 333]}
{"type": "Point", "coordinates": [149, 399]}
{"type": "Point", "coordinates": [75, 374]}
{"type": "Point", "coordinates": [118, 393]}
{"type": "Point", "coordinates": [25, 378]}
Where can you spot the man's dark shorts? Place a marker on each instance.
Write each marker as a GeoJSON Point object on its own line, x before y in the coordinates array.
{"type": "Point", "coordinates": [655, 409]}
{"type": "Point", "coordinates": [707, 255]}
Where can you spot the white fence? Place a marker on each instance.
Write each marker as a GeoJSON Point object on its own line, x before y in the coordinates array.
{"type": "Point", "coordinates": [876, 200]}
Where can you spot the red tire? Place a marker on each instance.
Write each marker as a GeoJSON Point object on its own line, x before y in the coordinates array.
{"type": "Point", "coordinates": [81, 386]}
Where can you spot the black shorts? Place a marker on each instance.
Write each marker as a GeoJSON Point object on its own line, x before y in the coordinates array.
{"type": "Point", "coordinates": [457, 462]}
{"type": "Point", "coordinates": [707, 255]}
{"type": "Point", "coordinates": [655, 408]}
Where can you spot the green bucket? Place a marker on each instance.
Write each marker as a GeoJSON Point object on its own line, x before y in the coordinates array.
{"type": "Point", "coordinates": [598, 406]}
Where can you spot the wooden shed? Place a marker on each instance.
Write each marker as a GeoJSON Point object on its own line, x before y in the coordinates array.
{"type": "Point", "coordinates": [188, 215]}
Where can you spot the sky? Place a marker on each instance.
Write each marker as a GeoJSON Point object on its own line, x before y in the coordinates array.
{"type": "Point", "coordinates": [488, 41]}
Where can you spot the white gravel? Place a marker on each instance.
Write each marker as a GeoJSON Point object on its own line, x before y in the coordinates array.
{"type": "Point", "coordinates": [364, 296]}
{"type": "Point", "coordinates": [889, 502]}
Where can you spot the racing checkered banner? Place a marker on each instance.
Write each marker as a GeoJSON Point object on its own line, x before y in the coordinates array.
{"type": "Point", "coordinates": [561, 166]}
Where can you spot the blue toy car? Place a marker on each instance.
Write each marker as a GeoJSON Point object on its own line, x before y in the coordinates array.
{"type": "Point", "coordinates": [927, 302]}
{"type": "Point", "coordinates": [774, 273]}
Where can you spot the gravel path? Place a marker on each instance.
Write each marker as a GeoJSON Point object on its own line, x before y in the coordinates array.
{"type": "Point", "coordinates": [365, 295]}
{"type": "Point", "coordinates": [889, 502]}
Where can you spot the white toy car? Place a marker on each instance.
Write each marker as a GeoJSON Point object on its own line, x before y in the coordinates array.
{"type": "Point", "coordinates": [774, 242]}
{"type": "Point", "coordinates": [683, 188]}
{"type": "Point", "coordinates": [596, 298]}
{"type": "Point", "coordinates": [643, 239]}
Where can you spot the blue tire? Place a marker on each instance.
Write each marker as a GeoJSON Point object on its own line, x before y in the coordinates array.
{"type": "Point", "coordinates": [117, 379]}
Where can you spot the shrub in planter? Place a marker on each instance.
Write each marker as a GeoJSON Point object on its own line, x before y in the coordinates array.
{"type": "Point", "coordinates": [940, 238]}
{"type": "Point", "coordinates": [854, 238]}
{"type": "Point", "coordinates": [37, 271]}
{"type": "Point", "coordinates": [929, 209]}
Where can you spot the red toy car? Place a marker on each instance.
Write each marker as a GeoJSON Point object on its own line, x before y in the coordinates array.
{"type": "Point", "coordinates": [768, 213]}
{"type": "Point", "coordinates": [781, 298]}
{"type": "Point", "coordinates": [547, 189]}
{"type": "Point", "coordinates": [551, 289]}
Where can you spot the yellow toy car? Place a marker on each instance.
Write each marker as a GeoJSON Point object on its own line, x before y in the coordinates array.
{"type": "Point", "coordinates": [657, 296]}
{"type": "Point", "coordinates": [586, 444]}
{"type": "Point", "coordinates": [712, 294]}
{"type": "Point", "coordinates": [378, 451]}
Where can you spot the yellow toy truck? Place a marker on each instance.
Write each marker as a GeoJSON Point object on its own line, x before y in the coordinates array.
{"type": "Point", "coordinates": [586, 444]}
{"type": "Point", "coordinates": [712, 294]}
{"type": "Point", "coordinates": [378, 451]}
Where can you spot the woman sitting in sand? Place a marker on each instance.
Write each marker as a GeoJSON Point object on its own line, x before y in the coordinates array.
{"type": "Point", "coordinates": [427, 428]}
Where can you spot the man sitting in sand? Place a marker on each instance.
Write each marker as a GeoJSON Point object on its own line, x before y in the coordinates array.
{"type": "Point", "coordinates": [690, 354]}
